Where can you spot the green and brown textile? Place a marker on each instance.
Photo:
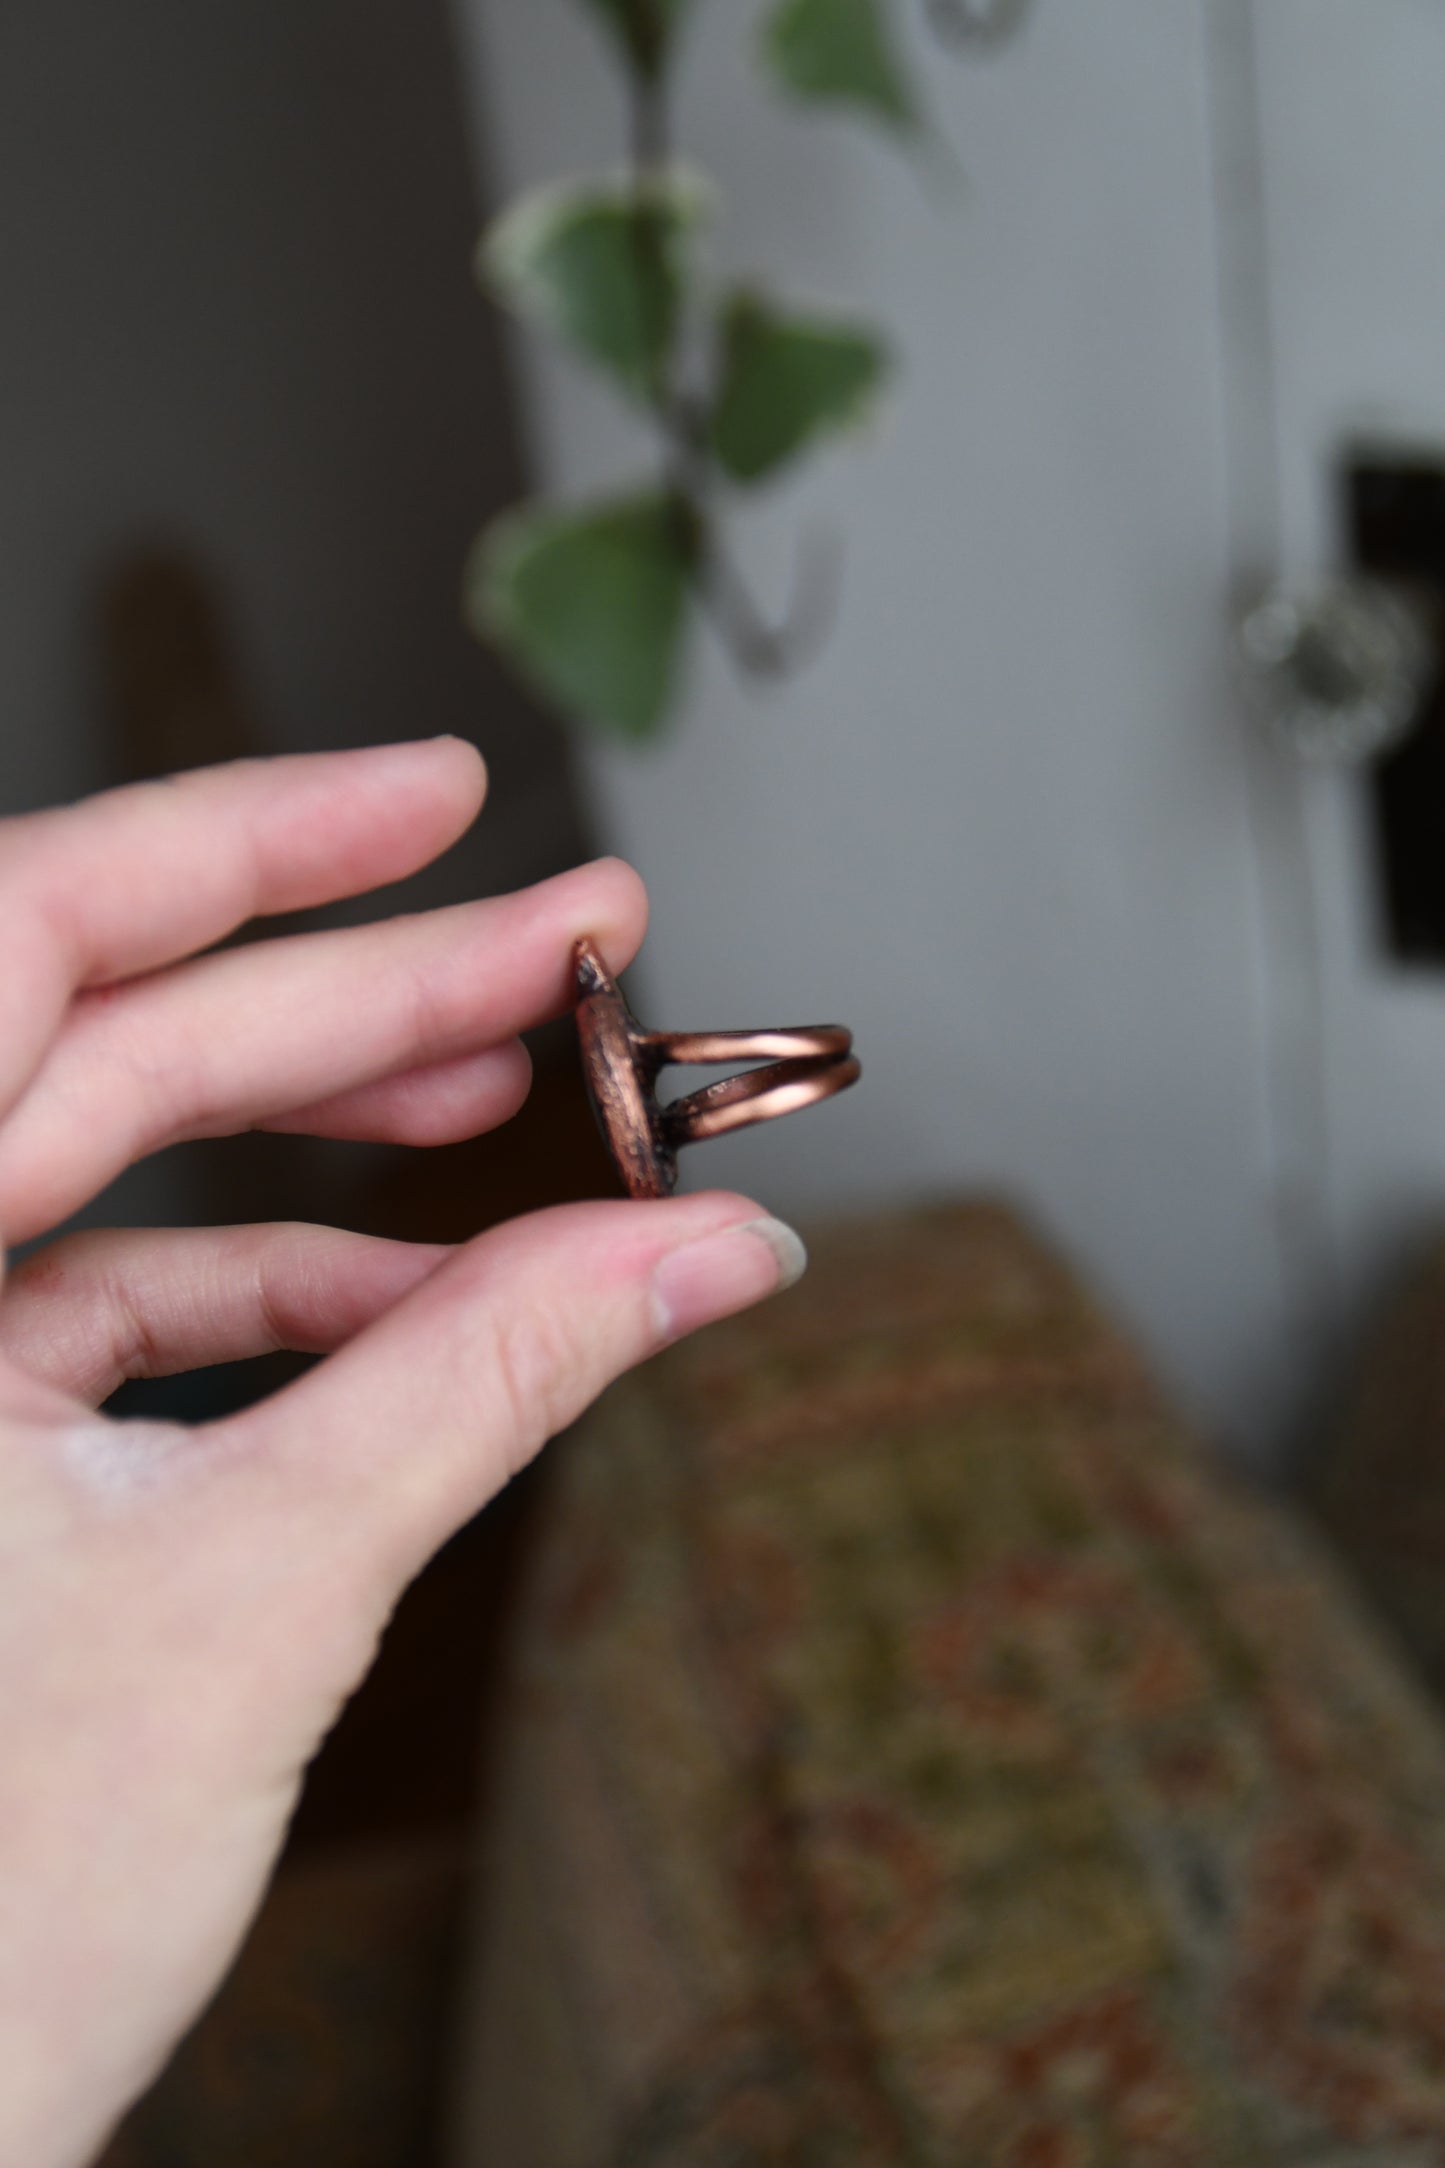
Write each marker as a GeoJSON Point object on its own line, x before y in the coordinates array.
{"type": "Point", "coordinates": [921, 1758]}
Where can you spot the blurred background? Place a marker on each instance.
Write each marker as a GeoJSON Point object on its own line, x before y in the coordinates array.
{"type": "Point", "coordinates": [1108, 814]}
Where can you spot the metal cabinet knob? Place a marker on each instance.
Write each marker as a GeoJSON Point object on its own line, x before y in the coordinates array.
{"type": "Point", "coordinates": [978, 23]}
{"type": "Point", "coordinates": [1336, 670]}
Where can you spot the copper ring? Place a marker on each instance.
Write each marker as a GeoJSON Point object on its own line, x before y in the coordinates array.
{"type": "Point", "coordinates": [622, 1062]}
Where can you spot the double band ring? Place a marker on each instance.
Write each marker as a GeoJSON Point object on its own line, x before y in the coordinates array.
{"type": "Point", "coordinates": [622, 1062]}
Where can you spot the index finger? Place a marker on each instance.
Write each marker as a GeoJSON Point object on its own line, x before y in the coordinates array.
{"type": "Point", "coordinates": [134, 878]}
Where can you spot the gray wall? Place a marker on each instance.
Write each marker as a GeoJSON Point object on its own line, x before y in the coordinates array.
{"type": "Point", "coordinates": [235, 245]}
{"type": "Point", "coordinates": [234, 254]}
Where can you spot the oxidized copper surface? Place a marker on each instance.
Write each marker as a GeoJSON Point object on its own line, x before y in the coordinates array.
{"type": "Point", "coordinates": [622, 1062]}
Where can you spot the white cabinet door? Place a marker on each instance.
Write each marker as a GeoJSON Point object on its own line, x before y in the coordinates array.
{"type": "Point", "coordinates": [1349, 331]}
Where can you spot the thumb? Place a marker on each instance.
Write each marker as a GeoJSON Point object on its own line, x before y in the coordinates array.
{"type": "Point", "coordinates": [405, 1433]}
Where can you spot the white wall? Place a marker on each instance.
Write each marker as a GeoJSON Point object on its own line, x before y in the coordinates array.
{"type": "Point", "coordinates": [1001, 827]}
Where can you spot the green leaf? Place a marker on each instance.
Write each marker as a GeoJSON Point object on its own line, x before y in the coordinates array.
{"type": "Point", "coordinates": [839, 52]}
{"type": "Point", "coordinates": [645, 29]}
{"type": "Point", "coordinates": [786, 380]}
{"type": "Point", "coordinates": [602, 265]}
{"type": "Point", "coordinates": [590, 606]}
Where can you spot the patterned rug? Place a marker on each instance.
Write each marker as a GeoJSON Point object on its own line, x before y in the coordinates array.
{"type": "Point", "coordinates": [923, 1758]}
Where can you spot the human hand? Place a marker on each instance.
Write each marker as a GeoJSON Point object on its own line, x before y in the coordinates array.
{"type": "Point", "coordinates": [183, 1611]}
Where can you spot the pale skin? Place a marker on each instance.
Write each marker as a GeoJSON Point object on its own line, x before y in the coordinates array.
{"type": "Point", "coordinates": [182, 1612]}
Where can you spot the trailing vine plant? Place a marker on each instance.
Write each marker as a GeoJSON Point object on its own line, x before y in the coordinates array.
{"type": "Point", "coordinates": [594, 605]}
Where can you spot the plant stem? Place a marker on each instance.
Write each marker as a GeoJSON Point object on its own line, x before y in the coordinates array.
{"type": "Point", "coordinates": [759, 649]}
{"type": "Point", "coordinates": [650, 124]}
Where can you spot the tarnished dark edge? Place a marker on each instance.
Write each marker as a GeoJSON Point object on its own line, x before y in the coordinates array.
{"type": "Point", "coordinates": [621, 1063]}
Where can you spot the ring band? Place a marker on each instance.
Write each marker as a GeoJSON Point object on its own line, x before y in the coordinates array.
{"type": "Point", "coordinates": [621, 1063]}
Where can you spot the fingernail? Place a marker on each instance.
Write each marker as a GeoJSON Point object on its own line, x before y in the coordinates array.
{"type": "Point", "coordinates": [718, 1274]}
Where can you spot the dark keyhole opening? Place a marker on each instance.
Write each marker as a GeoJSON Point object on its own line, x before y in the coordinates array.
{"type": "Point", "coordinates": [1394, 515]}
